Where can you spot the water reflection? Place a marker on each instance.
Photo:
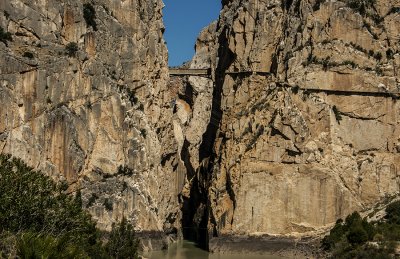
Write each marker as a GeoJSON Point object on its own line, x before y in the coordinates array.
{"type": "Point", "coordinates": [188, 250]}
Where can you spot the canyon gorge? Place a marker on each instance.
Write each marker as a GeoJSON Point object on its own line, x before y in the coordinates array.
{"type": "Point", "coordinates": [296, 126]}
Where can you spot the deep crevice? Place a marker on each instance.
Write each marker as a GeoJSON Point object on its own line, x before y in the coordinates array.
{"type": "Point", "coordinates": [185, 156]}
{"type": "Point", "coordinates": [195, 210]}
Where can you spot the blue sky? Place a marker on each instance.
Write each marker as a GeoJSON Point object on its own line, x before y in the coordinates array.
{"type": "Point", "coordinates": [183, 21]}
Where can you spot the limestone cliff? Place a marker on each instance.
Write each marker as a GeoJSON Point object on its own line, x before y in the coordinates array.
{"type": "Point", "coordinates": [297, 126]}
{"type": "Point", "coordinates": [306, 102]}
{"type": "Point", "coordinates": [95, 113]}
{"type": "Point", "coordinates": [192, 114]}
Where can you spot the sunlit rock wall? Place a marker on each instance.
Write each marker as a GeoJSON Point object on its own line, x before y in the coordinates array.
{"type": "Point", "coordinates": [309, 128]}
{"type": "Point", "coordinates": [100, 118]}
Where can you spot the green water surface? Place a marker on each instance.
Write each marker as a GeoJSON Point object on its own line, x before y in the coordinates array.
{"type": "Point", "coordinates": [188, 250]}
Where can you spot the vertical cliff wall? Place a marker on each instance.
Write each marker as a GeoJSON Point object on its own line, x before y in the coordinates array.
{"type": "Point", "coordinates": [96, 114]}
{"type": "Point", "coordinates": [296, 127]}
{"type": "Point", "coordinates": [304, 127]}
{"type": "Point", "coordinates": [192, 114]}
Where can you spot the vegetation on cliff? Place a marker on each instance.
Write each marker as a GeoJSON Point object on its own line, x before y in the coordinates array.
{"type": "Point", "coordinates": [39, 220]}
{"type": "Point", "coordinates": [89, 13]}
{"type": "Point", "coordinates": [5, 36]}
{"type": "Point", "coordinates": [71, 49]}
{"type": "Point", "coordinates": [357, 238]}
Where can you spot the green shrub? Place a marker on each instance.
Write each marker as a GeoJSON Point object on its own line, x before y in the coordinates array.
{"type": "Point", "coordinates": [5, 36]}
{"type": "Point", "coordinates": [389, 54]}
{"type": "Point", "coordinates": [357, 235]}
{"type": "Point", "coordinates": [40, 204]}
{"type": "Point", "coordinates": [32, 245]}
{"type": "Point", "coordinates": [336, 233]}
{"type": "Point", "coordinates": [8, 245]}
{"type": "Point", "coordinates": [108, 204]}
{"type": "Point", "coordinates": [349, 239]}
{"type": "Point", "coordinates": [71, 49]}
{"type": "Point", "coordinates": [378, 56]}
{"type": "Point", "coordinates": [141, 107]}
{"type": "Point", "coordinates": [350, 63]}
{"type": "Point", "coordinates": [393, 213]}
{"type": "Point", "coordinates": [361, 6]}
{"type": "Point", "coordinates": [122, 242]}
{"type": "Point", "coordinates": [338, 114]}
{"type": "Point", "coordinates": [28, 54]}
{"type": "Point", "coordinates": [38, 220]}
{"type": "Point", "coordinates": [295, 89]}
{"type": "Point", "coordinates": [143, 132]}
{"type": "Point", "coordinates": [92, 200]}
{"type": "Point", "coordinates": [89, 13]}
{"type": "Point", "coordinates": [371, 53]}
{"type": "Point", "coordinates": [124, 170]}
{"type": "Point", "coordinates": [317, 5]}
{"type": "Point", "coordinates": [394, 10]}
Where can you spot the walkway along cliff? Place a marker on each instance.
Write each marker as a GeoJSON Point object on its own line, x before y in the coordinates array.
{"type": "Point", "coordinates": [304, 125]}
{"type": "Point", "coordinates": [295, 125]}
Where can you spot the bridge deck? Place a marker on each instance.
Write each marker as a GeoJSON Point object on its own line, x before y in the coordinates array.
{"type": "Point", "coordinates": [189, 72]}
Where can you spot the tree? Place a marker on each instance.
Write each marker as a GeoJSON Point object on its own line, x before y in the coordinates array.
{"type": "Point", "coordinates": [357, 235]}
{"type": "Point", "coordinates": [39, 220]}
{"type": "Point", "coordinates": [89, 13]}
{"type": "Point", "coordinates": [122, 242]}
{"type": "Point", "coordinates": [34, 245]}
{"type": "Point", "coordinates": [335, 235]}
{"type": "Point", "coordinates": [350, 239]}
{"type": "Point", "coordinates": [31, 202]}
{"type": "Point", "coordinates": [393, 213]}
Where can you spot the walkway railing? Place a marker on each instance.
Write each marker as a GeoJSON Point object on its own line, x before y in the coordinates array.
{"type": "Point", "coordinates": [189, 72]}
{"type": "Point", "coordinates": [367, 92]}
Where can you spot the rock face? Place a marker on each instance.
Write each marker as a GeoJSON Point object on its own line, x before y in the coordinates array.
{"type": "Point", "coordinates": [306, 103]}
{"type": "Point", "coordinates": [98, 116]}
{"type": "Point", "coordinates": [192, 114]}
{"type": "Point", "coordinates": [297, 126]}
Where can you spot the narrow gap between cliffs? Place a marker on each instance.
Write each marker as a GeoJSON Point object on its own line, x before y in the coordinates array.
{"type": "Point", "coordinates": [197, 223]}
{"type": "Point", "coordinates": [183, 21]}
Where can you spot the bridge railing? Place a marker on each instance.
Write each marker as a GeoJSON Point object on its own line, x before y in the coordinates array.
{"type": "Point", "coordinates": [189, 72]}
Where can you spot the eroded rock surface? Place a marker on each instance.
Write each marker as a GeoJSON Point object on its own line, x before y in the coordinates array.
{"type": "Point", "coordinates": [297, 126]}
{"type": "Point", "coordinates": [99, 118]}
{"type": "Point", "coordinates": [306, 103]}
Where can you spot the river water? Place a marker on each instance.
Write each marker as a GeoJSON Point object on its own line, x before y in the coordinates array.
{"type": "Point", "coordinates": [188, 250]}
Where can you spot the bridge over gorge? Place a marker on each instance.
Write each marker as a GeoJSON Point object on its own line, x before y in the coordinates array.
{"type": "Point", "coordinates": [330, 91]}
{"type": "Point", "coordinates": [207, 72]}
{"type": "Point", "coordinates": [189, 72]}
